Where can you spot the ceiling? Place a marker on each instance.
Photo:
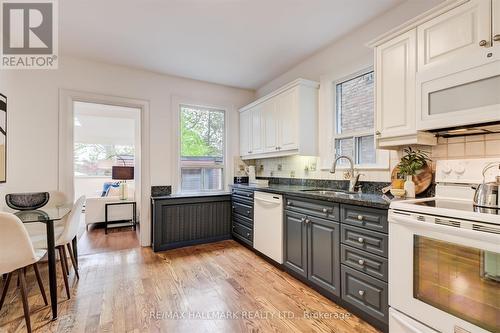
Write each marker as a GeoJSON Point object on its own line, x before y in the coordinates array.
{"type": "Point", "coordinates": [240, 43]}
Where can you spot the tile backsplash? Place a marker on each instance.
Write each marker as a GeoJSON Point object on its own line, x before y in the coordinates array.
{"type": "Point", "coordinates": [307, 167]}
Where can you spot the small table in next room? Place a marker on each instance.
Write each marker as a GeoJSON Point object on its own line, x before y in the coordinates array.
{"type": "Point", "coordinates": [131, 223]}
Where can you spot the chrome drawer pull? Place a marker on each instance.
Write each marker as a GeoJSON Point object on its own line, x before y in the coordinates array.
{"type": "Point", "coordinates": [325, 210]}
{"type": "Point", "coordinates": [361, 293]}
{"type": "Point", "coordinates": [360, 217]}
{"type": "Point", "coordinates": [303, 219]}
{"type": "Point", "coordinates": [289, 203]}
{"type": "Point", "coordinates": [248, 212]}
{"type": "Point", "coordinates": [248, 234]}
{"type": "Point", "coordinates": [361, 240]}
{"type": "Point", "coordinates": [361, 262]}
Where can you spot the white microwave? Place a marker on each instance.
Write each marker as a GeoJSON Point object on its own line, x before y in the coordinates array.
{"type": "Point", "coordinates": [467, 97]}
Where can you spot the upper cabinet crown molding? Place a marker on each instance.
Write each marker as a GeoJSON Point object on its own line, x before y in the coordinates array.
{"type": "Point", "coordinates": [416, 21]}
{"type": "Point", "coordinates": [281, 123]}
{"type": "Point", "coordinates": [294, 83]}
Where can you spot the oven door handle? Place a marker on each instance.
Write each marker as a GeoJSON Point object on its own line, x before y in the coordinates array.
{"type": "Point", "coordinates": [400, 319]}
{"type": "Point", "coordinates": [456, 231]}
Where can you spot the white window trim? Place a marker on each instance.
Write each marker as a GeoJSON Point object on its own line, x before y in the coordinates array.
{"type": "Point", "coordinates": [177, 102]}
{"type": "Point", "coordinates": [382, 156]}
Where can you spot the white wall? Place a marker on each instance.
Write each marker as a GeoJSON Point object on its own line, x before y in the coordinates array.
{"type": "Point", "coordinates": [351, 48]}
{"type": "Point", "coordinates": [33, 109]}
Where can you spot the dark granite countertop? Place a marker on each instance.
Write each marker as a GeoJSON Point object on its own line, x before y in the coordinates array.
{"type": "Point", "coordinates": [190, 195]}
{"type": "Point", "coordinates": [362, 199]}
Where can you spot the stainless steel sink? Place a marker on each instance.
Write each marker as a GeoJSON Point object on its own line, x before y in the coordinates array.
{"type": "Point", "coordinates": [329, 192]}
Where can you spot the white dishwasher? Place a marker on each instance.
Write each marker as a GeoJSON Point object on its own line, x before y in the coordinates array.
{"type": "Point", "coordinates": [268, 225]}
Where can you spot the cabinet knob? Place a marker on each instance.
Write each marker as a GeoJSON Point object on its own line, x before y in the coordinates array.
{"type": "Point", "coordinates": [289, 203]}
{"type": "Point", "coordinates": [325, 210]}
{"type": "Point", "coordinates": [303, 219]}
{"type": "Point", "coordinates": [233, 207]}
{"type": "Point", "coordinates": [377, 133]}
{"type": "Point", "coordinates": [360, 217]}
{"type": "Point", "coordinates": [248, 212]}
{"type": "Point", "coordinates": [361, 293]}
{"type": "Point", "coordinates": [496, 38]}
{"type": "Point", "coordinates": [248, 234]}
{"type": "Point", "coordinates": [361, 262]}
{"type": "Point", "coordinates": [307, 221]}
{"type": "Point", "coordinates": [483, 42]}
{"type": "Point", "coordinates": [249, 195]}
{"type": "Point", "coordinates": [361, 240]}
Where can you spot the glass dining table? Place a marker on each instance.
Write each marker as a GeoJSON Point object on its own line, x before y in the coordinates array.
{"type": "Point", "coordinates": [48, 216]}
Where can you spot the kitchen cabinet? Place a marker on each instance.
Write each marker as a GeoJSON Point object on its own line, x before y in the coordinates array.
{"type": "Point", "coordinates": [288, 119]}
{"type": "Point", "coordinates": [242, 216]}
{"type": "Point", "coordinates": [440, 70]}
{"type": "Point", "coordinates": [245, 138]}
{"type": "Point", "coordinates": [295, 239]}
{"type": "Point", "coordinates": [395, 87]}
{"type": "Point", "coordinates": [283, 122]}
{"type": "Point", "coordinates": [323, 254]}
{"type": "Point", "coordinates": [455, 39]}
{"type": "Point", "coordinates": [311, 247]}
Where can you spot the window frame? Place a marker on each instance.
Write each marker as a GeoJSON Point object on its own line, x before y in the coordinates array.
{"type": "Point", "coordinates": [381, 156]}
{"type": "Point", "coordinates": [206, 164]}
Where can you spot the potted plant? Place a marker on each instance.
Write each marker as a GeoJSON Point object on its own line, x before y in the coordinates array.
{"type": "Point", "coordinates": [411, 163]}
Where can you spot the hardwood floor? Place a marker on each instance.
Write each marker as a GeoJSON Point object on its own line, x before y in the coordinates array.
{"type": "Point", "coordinates": [219, 287]}
{"type": "Point", "coordinates": [94, 240]}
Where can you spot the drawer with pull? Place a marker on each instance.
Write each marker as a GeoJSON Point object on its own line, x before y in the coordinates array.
{"type": "Point", "coordinates": [365, 262]}
{"type": "Point", "coordinates": [371, 241]}
{"type": "Point", "coordinates": [365, 292]}
{"type": "Point", "coordinates": [242, 231]}
{"type": "Point", "coordinates": [242, 195]}
{"type": "Point", "coordinates": [242, 209]}
{"type": "Point", "coordinates": [364, 217]}
{"type": "Point", "coordinates": [319, 208]}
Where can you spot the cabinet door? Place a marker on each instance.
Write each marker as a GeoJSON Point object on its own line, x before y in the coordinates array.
{"type": "Point", "coordinates": [496, 24]}
{"type": "Point", "coordinates": [395, 86]}
{"type": "Point", "coordinates": [288, 113]}
{"type": "Point", "coordinates": [295, 243]}
{"type": "Point", "coordinates": [323, 254]}
{"type": "Point", "coordinates": [245, 139]}
{"type": "Point", "coordinates": [451, 41]}
{"type": "Point", "coordinates": [270, 124]}
{"type": "Point", "coordinates": [257, 142]}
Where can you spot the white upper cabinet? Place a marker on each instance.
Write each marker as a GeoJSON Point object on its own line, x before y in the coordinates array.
{"type": "Point", "coordinates": [440, 70]}
{"type": "Point", "coordinates": [282, 123]}
{"type": "Point", "coordinates": [245, 139]}
{"type": "Point", "coordinates": [287, 109]}
{"type": "Point", "coordinates": [395, 86]}
{"type": "Point", "coordinates": [496, 24]}
{"type": "Point", "coordinates": [270, 123]}
{"type": "Point", "coordinates": [257, 145]}
{"type": "Point", "coordinates": [456, 39]}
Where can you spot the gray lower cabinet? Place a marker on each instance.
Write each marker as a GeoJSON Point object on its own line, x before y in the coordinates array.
{"type": "Point", "coordinates": [295, 243]}
{"type": "Point", "coordinates": [312, 250]}
{"type": "Point", "coordinates": [242, 216]}
{"type": "Point", "coordinates": [365, 292]}
{"type": "Point", "coordinates": [323, 254]}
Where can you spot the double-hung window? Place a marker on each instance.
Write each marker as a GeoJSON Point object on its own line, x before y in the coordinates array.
{"type": "Point", "coordinates": [354, 121]}
{"type": "Point", "coordinates": [202, 147]}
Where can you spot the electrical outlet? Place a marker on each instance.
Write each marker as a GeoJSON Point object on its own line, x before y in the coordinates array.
{"type": "Point", "coordinates": [292, 174]}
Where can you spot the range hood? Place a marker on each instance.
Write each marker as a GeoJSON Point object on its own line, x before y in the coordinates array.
{"type": "Point", "coordinates": [476, 129]}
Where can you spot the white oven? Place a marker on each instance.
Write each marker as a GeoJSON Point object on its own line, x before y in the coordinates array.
{"type": "Point", "coordinates": [445, 272]}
